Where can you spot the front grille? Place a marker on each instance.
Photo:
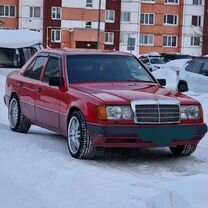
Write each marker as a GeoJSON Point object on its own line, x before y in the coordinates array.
{"type": "Point", "coordinates": [157, 114]}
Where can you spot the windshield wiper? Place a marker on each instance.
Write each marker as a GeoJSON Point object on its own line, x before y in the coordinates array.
{"type": "Point", "coordinates": [136, 80]}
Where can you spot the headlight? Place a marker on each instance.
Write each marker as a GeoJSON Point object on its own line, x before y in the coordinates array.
{"type": "Point", "coordinates": [191, 112]}
{"type": "Point", "coordinates": [115, 113]}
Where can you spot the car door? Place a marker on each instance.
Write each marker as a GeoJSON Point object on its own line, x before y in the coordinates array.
{"type": "Point", "coordinates": [28, 86]}
{"type": "Point", "coordinates": [204, 78]}
{"type": "Point", "coordinates": [193, 77]}
{"type": "Point", "coordinates": [47, 106]}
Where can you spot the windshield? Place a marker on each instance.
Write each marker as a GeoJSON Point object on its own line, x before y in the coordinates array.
{"type": "Point", "coordinates": [105, 68]}
{"type": "Point", "coordinates": [156, 61]}
{"type": "Point", "coordinates": [7, 58]}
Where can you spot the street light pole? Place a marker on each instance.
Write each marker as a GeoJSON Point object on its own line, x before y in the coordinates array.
{"type": "Point", "coordinates": [98, 30]}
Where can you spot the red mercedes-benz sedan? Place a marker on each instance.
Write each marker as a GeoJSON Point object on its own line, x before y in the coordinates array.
{"type": "Point", "coordinates": [101, 99]}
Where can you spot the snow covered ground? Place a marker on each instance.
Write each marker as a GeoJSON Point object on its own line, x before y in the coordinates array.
{"type": "Point", "coordinates": [36, 171]}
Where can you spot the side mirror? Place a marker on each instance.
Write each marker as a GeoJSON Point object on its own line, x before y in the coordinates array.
{"type": "Point", "coordinates": [56, 81]}
{"type": "Point", "coordinates": [162, 82]}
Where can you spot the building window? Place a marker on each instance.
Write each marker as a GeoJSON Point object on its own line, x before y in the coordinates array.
{"type": "Point", "coordinates": [147, 19]}
{"type": "Point", "coordinates": [170, 19]}
{"type": "Point", "coordinates": [147, 40]}
{"type": "Point", "coordinates": [7, 11]}
{"type": "Point", "coordinates": [171, 1]}
{"type": "Point", "coordinates": [56, 13]}
{"type": "Point", "coordinates": [196, 21]}
{"type": "Point", "coordinates": [56, 36]}
{"type": "Point", "coordinates": [110, 16]}
{"type": "Point", "coordinates": [124, 37]}
{"type": "Point", "coordinates": [109, 38]}
{"type": "Point", "coordinates": [148, 1]}
{"type": "Point", "coordinates": [197, 2]}
{"type": "Point", "coordinates": [34, 11]}
{"type": "Point", "coordinates": [195, 41]}
{"type": "Point", "coordinates": [169, 41]}
{"type": "Point", "coordinates": [88, 25]}
{"type": "Point", "coordinates": [125, 16]}
{"type": "Point", "coordinates": [89, 3]}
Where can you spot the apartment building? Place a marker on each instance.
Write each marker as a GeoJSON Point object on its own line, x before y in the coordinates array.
{"type": "Point", "coordinates": [31, 15]}
{"type": "Point", "coordinates": [193, 24]}
{"type": "Point", "coordinates": [130, 26]}
{"type": "Point", "coordinates": [136, 26]}
{"type": "Point", "coordinates": [161, 25]}
{"type": "Point", "coordinates": [9, 12]}
{"type": "Point", "coordinates": [112, 25]}
{"type": "Point", "coordinates": [73, 24]}
{"type": "Point", "coordinates": [205, 30]}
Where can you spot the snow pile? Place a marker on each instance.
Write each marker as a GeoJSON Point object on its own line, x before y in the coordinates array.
{"type": "Point", "coordinates": [175, 65]}
{"type": "Point", "coordinates": [19, 38]}
{"type": "Point", "coordinates": [169, 75]}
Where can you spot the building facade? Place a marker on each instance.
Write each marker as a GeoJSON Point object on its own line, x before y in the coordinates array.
{"type": "Point", "coordinates": [193, 24]}
{"type": "Point", "coordinates": [9, 12]}
{"type": "Point", "coordinates": [136, 26]}
{"type": "Point", "coordinates": [205, 30]}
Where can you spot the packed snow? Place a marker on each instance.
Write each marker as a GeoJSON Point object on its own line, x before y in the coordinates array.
{"type": "Point", "coordinates": [19, 38]}
{"type": "Point", "coordinates": [36, 170]}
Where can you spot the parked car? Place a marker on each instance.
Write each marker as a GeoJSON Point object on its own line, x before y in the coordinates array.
{"type": "Point", "coordinates": [17, 47]}
{"type": "Point", "coordinates": [172, 56]}
{"type": "Point", "coordinates": [153, 61]}
{"type": "Point", "coordinates": [194, 76]}
{"type": "Point", "coordinates": [101, 99]}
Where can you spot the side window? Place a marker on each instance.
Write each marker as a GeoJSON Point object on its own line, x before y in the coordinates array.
{"type": "Point", "coordinates": [189, 67]}
{"type": "Point", "coordinates": [35, 69]}
{"type": "Point", "coordinates": [197, 67]}
{"type": "Point", "coordinates": [205, 69]}
{"type": "Point", "coordinates": [53, 69]}
{"type": "Point", "coordinates": [28, 53]}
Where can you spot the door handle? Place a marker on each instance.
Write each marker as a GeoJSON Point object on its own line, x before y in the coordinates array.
{"type": "Point", "coordinates": [38, 90]}
{"type": "Point", "coordinates": [19, 84]}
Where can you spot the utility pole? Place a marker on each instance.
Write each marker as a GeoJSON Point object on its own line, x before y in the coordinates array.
{"type": "Point", "coordinates": [98, 30]}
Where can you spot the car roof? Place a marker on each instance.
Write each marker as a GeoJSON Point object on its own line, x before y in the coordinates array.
{"type": "Point", "coordinates": [70, 51]}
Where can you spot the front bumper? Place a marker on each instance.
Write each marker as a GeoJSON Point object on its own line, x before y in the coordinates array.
{"type": "Point", "coordinates": [134, 136]}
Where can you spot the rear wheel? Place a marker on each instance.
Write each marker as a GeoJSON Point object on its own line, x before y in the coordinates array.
{"type": "Point", "coordinates": [79, 142]}
{"type": "Point", "coordinates": [17, 120]}
{"type": "Point", "coordinates": [182, 88]}
{"type": "Point", "coordinates": [183, 150]}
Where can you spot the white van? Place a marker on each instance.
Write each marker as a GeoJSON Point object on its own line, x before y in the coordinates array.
{"type": "Point", "coordinates": [16, 48]}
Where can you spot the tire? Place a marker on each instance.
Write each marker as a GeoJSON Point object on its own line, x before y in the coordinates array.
{"type": "Point", "coordinates": [183, 150]}
{"type": "Point", "coordinates": [79, 142]}
{"type": "Point", "coordinates": [182, 88]}
{"type": "Point", "coordinates": [17, 120]}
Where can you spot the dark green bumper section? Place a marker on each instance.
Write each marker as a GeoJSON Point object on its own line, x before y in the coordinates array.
{"type": "Point", "coordinates": [160, 135]}
{"type": "Point", "coordinates": [164, 136]}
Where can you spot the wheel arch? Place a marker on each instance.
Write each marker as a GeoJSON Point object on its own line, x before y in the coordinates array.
{"type": "Point", "coordinates": [13, 94]}
{"type": "Point", "coordinates": [71, 110]}
{"type": "Point", "coordinates": [182, 82]}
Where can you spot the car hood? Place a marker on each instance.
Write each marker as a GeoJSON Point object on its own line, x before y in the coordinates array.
{"type": "Point", "coordinates": [123, 93]}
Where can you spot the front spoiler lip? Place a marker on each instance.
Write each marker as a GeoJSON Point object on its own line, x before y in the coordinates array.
{"type": "Point", "coordinates": [129, 136]}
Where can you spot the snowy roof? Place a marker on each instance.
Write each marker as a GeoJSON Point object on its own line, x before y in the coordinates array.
{"type": "Point", "coordinates": [19, 38]}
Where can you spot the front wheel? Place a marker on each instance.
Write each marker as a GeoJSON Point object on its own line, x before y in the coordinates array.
{"type": "Point", "coordinates": [183, 150]}
{"type": "Point", "coordinates": [79, 142]}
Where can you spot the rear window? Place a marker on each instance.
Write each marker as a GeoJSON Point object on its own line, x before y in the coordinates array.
{"type": "Point", "coordinates": [105, 68]}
